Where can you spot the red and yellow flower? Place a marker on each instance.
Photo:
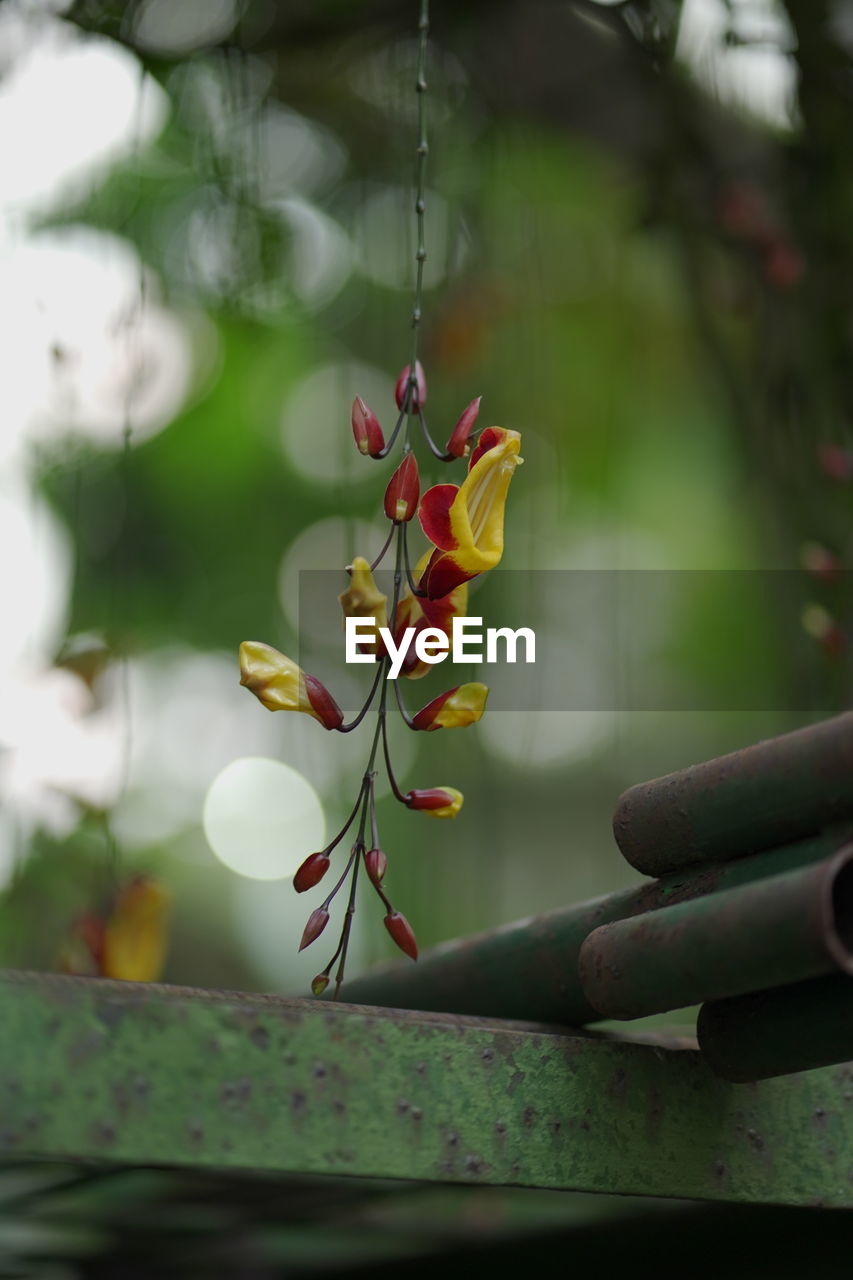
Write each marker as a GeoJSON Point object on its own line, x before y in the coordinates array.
{"type": "Point", "coordinates": [436, 802]}
{"type": "Point", "coordinates": [455, 709]}
{"type": "Point", "coordinates": [420, 612]}
{"type": "Point", "coordinates": [281, 685]}
{"type": "Point", "coordinates": [363, 599]}
{"type": "Point", "coordinates": [465, 522]}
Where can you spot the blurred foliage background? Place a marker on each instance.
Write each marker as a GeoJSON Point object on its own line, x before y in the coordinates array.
{"type": "Point", "coordinates": [641, 255]}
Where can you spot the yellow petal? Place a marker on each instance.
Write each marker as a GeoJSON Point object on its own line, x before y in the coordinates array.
{"type": "Point", "coordinates": [449, 810]}
{"type": "Point", "coordinates": [136, 936]}
{"type": "Point", "coordinates": [362, 598]}
{"type": "Point", "coordinates": [465, 706]}
{"type": "Point", "coordinates": [477, 511]}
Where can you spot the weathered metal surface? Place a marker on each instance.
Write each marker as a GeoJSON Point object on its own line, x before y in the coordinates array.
{"type": "Point", "coordinates": [143, 1074]}
{"type": "Point", "coordinates": [767, 794]}
{"type": "Point", "coordinates": [783, 929]}
{"type": "Point", "coordinates": [529, 969]}
{"type": "Point", "coordinates": [773, 1033]}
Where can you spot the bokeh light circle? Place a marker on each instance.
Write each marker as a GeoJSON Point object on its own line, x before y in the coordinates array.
{"type": "Point", "coordinates": [262, 818]}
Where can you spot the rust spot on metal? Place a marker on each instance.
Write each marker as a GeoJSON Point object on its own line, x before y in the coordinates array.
{"type": "Point", "coordinates": [488, 1055]}
{"type": "Point", "coordinates": [755, 1139]}
{"type": "Point", "coordinates": [236, 1090]}
{"type": "Point", "coordinates": [475, 1165]}
{"type": "Point", "coordinates": [417, 1114]}
{"type": "Point", "coordinates": [402, 1106]}
{"type": "Point", "coordinates": [515, 1080]}
{"type": "Point", "coordinates": [319, 1071]}
{"type": "Point", "coordinates": [500, 1128]}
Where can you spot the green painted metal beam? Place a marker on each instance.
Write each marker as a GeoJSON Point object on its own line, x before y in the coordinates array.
{"type": "Point", "coordinates": [104, 1071]}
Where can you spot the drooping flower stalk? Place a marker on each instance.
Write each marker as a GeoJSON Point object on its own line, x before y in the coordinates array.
{"type": "Point", "coordinates": [465, 527]}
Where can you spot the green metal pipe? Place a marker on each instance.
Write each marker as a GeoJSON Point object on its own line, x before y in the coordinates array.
{"type": "Point", "coordinates": [783, 929]}
{"type": "Point", "coordinates": [778, 1032]}
{"type": "Point", "coordinates": [529, 969]}
{"type": "Point", "coordinates": [783, 789]}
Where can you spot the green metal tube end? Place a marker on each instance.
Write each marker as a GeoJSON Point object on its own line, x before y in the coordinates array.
{"type": "Point", "coordinates": [783, 929]}
{"type": "Point", "coordinates": [767, 794]}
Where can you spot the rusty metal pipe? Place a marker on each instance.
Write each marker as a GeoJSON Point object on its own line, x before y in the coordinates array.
{"type": "Point", "coordinates": [777, 1032]}
{"type": "Point", "coordinates": [775, 791]}
{"type": "Point", "coordinates": [529, 969]}
{"type": "Point", "coordinates": [783, 929]}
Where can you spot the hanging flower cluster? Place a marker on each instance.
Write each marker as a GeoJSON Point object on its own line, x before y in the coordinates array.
{"type": "Point", "coordinates": [464, 525]}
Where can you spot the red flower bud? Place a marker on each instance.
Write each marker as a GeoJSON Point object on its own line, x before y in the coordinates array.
{"type": "Point", "coordinates": [311, 872]}
{"type": "Point", "coordinates": [429, 798]}
{"type": "Point", "coordinates": [425, 718]}
{"type": "Point", "coordinates": [317, 922]}
{"type": "Point", "coordinates": [366, 429]}
{"type": "Point", "coordinates": [401, 931]}
{"type": "Point", "coordinates": [319, 984]}
{"type": "Point", "coordinates": [458, 444]}
{"type": "Point", "coordinates": [376, 864]}
{"type": "Point", "coordinates": [404, 489]}
{"type": "Point", "coordinates": [322, 702]}
{"type": "Point", "coordinates": [835, 462]}
{"type": "Point", "coordinates": [419, 390]}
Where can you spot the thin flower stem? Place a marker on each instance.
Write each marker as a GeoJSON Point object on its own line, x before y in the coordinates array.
{"type": "Point", "coordinates": [413, 586]}
{"type": "Point", "coordinates": [434, 449]}
{"type": "Point", "coordinates": [325, 903]}
{"type": "Point", "coordinates": [374, 828]}
{"type": "Point", "coordinates": [345, 828]}
{"type": "Point", "coordinates": [389, 444]}
{"type": "Point", "coordinates": [401, 706]}
{"type": "Point", "coordinates": [380, 891]}
{"type": "Point", "coordinates": [386, 544]}
{"type": "Point", "coordinates": [397, 792]}
{"type": "Point", "coordinates": [350, 912]}
{"type": "Point", "coordinates": [421, 152]}
{"type": "Point", "coordinates": [353, 724]}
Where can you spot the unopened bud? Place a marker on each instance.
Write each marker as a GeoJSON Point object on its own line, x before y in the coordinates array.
{"type": "Point", "coordinates": [319, 984]}
{"type": "Point", "coordinates": [438, 802]}
{"type": "Point", "coordinates": [458, 444]}
{"type": "Point", "coordinates": [311, 872]}
{"type": "Point", "coordinates": [322, 703]}
{"type": "Point", "coordinates": [366, 429]}
{"type": "Point", "coordinates": [317, 922]}
{"type": "Point", "coordinates": [404, 489]}
{"type": "Point", "coordinates": [401, 931]}
{"type": "Point", "coordinates": [419, 390]}
{"type": "Point", "coordinates": [376, 864]}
